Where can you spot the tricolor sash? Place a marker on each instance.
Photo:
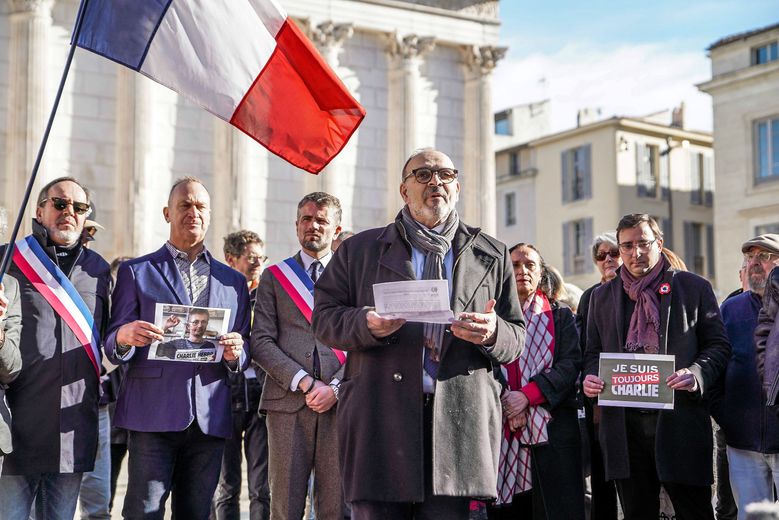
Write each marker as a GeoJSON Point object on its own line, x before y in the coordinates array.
{"type": "Point", "coordinates": [300, 288]}
{"type": "Point", "coordinates": [49, 280]}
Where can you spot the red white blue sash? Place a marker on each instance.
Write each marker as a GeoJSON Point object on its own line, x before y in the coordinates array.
{"type": "Point", "coordinates": [57, 289]}
{"type": "Point", "coordinates": [300, 288]}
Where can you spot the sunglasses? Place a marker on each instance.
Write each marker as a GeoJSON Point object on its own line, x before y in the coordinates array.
{"type": "Point", "coordinates": [601, 255]}
{"type": "Point", "coordinates": [79, 208]}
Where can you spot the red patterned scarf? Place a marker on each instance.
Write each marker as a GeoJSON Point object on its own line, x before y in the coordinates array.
{"type": "Point", "coordinates": [514, 472]}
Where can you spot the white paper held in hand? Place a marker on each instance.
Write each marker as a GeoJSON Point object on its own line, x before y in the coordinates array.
{"type": "Point", "coordinates": [422, 301]}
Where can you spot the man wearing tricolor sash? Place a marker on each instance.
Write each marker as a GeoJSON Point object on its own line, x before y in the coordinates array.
{"type": "Point", "coordinates": [177, 413]}
{"type": "Point", "coordinates": [54, 401]}
{"type": "Point", "coordinates": [301, 391]}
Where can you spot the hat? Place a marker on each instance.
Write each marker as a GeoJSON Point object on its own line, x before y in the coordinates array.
{"type": "Point", "coordinates": [767, 241]}
{"type": "Point", "coordinates": [91, 224]}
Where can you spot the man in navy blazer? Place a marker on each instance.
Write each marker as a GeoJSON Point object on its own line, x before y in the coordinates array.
{"type": "Point", "coordinates": [178, 414]}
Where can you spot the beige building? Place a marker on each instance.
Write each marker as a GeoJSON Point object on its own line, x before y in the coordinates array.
{"type": "Point", "coordinates": [421, 68]}
{"type": "Point", "coordinates": [744, 87]}
{"type": "Point", "coordinates": [561, 190]}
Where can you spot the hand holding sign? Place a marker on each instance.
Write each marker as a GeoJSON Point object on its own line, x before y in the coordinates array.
{"type": "Point", "coordinates": [682, 379]}
{"type": "Point", "coordinates": [593, 385]}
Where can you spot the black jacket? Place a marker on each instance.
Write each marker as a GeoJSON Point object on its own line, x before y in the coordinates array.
{"type": "Point", "coordinates": [691, 329]}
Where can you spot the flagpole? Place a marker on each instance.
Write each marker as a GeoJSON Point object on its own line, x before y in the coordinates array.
{"type": "Point", "coordinates": [8, 253]}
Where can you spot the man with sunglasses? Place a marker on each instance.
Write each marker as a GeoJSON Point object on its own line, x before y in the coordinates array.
{"type": "Point", "coordinates": [738, 405]}
{"type": "Point", "coordinates": [244, 251]}
{"type": "Point", "coordinates": [652, 308]}
{"type": "Point", "coordinates": [54, 401]}
{"type": "Point", "coordinates": [420, 422]}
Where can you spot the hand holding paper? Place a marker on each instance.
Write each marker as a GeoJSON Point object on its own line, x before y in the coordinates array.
{"type": "Point", "coordinates": [421, 301]}
{"type": "Point", "coordinates": [382, 327]}
{"type": "Point", "coordinates": [477, 328]}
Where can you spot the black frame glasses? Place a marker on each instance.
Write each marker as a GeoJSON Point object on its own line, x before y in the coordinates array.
{"type": "Point", "coordinates": [424, 174]}
{"type": "Point", "coordinates": [79, 208]}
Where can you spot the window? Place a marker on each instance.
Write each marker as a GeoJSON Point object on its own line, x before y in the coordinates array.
{"type": "Point", "coordinates": [699, 248]}
{"type": "Point", "coordinates": [648, 171]}
{"type": "Point", "coordinates": [514, 163]}
{"type": "Point", "coordinates": [511, 208]}
{"type": "Point", "coordinates": [701, 179]}
{"type": "Point", "coordinates": [765, 53]}
{"type": "Point", "coordinates": [577, 237]}
{"type": "Point", "coordinates": [577, 178]}
{"type": "Point", "coordinates": [767, 228]}
{"type": "Point", "coordinates": [502, 124]}
{"type": "Point", "coordinates": [767, 150]}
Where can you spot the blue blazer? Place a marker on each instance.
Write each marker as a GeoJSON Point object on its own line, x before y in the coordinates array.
{"type": "Point", "coordinates": [160, 396]}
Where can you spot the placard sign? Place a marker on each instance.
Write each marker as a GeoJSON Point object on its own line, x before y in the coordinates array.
{"type": "Point", "coordinates": [636, 380]}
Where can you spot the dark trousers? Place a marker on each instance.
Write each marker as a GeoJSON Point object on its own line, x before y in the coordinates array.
{"type": "Point", "coordinates": [603, 503]}
{"type": "Point", "coordinates": [433, 508]}
{"type": "Point", "coordinates": [640, 494]}
{"type": "Point", "coordinates": [726, 505]}
{"type": "Point", "coordinates": [184, 463]}
{"type": "Point", "coordinates": [250, 431]}
{"type": "Point", "coordinates": [118, 452]}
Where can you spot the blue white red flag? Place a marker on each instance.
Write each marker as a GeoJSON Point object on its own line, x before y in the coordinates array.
{"type": "Point", "coordinates": [244, 61]}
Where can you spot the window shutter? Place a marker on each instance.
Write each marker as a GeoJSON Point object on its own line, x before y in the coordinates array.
{"type": "Point", "coordinates": [689, 246]}
{"type": "Point", "coordinates": [665, 179]}
{"type": "Point", "coordinates": [708, 180]}
{"type": "Point", "coordinates": [695, 179]}
{"type": "Point", "coordinates": [565, 157]}
{"type": "Point", "coordinates": [567, 252]}
{"type": "Point", "coordinates": [641, 169]}
{"type": "Point", "coordinates": [587, 160]}
{"type": "Point", "coordinates": [588, 236]}
{"type": "Point", "coordinates": [710, 250]}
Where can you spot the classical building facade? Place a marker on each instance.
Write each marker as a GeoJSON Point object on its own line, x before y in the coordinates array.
{"type": "Point", "coordinates": [559, 191]}
{"type": "Point", "coordinates": [744, 85]}
{"type": "Point", "coordinates": [421, 68]}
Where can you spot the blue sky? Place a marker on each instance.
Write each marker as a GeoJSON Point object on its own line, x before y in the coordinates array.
{"type": "Point", "coordinates": [627, 58]}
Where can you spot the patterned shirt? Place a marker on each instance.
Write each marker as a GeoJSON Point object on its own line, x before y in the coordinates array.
{"type": "Point", "coordinates": [196, 274]}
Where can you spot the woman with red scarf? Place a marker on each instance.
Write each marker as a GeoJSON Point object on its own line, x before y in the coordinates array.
{"type": "Point", "coordinates": [540, 474]}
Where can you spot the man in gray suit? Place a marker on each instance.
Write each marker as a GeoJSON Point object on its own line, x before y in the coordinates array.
{"type": "Point", "coordinates": [301, 391]}
{"type": "Point", "coordinates": [10, 357]}
{"type": "Point", "coordinates": [419, 418]}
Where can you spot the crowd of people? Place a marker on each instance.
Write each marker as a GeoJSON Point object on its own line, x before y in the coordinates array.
{"type": "Point", "coordinates": [341, 412]}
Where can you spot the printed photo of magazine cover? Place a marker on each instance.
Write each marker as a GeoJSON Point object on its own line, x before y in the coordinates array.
{"type": "Point", "coordinates": [190, 333]}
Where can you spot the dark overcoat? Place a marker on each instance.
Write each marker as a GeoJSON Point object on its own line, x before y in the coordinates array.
{"type": "Point", "coordinates": [54, 400]}
{"type": "Point", "coordinates": [380, 410]}
{"type": "Point", "coordinates": [691, 329]}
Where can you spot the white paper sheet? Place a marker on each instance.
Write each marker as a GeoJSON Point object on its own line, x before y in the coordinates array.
{"type": "Point", "coordinates": [421, 301]}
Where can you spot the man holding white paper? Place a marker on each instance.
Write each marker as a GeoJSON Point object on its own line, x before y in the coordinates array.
{"type": "Point", "coordinates": [419, 415]}
{"type": "Point", "coordinates": [651, 308]}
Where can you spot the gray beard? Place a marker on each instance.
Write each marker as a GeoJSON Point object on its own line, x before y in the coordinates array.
{"type": "Point", "coordinates": [68, 237]}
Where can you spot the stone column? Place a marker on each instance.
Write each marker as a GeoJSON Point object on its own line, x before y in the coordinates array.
{"type": "Point", "coordinates": [406, 56]}
{"type": "Point", "coordinates": [338, 177]}
{"type": "Point", "coordinates": [28, 99]}
{"type": "Point", "coordinates": [137, 207]}
{"type": "Point", "coordinates": [479, 202]}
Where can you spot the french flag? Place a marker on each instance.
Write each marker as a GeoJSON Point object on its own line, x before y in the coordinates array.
{"type": "Point", "coordinates": [244, 61]}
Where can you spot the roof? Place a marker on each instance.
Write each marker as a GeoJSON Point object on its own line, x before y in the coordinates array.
{"type": "Point", "coordinates": [741, 36]}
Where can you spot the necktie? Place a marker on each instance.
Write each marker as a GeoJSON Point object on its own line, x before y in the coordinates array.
{"type": "Point", "coordinates": [314, 277]}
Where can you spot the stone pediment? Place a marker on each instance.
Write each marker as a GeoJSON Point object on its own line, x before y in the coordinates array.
{"type": "Point", "coordinates": [480, 8]}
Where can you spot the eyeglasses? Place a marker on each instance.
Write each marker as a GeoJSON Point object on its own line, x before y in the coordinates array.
{"type": "Point", "coordinates": [762, 256]}
{"type": "Point", "coordinates": [601, 255]}
{"type": "Point", "coordinates": [424, 174]}
{"type": "Point", "coordinates": [79, 208]}
{"type": "Point", "coordinates": [642, 245]}
{"type": "Point", "coordinates": [256, 259]}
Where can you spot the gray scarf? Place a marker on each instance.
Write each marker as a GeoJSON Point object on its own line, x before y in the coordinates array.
{"type": "Point", "coordinates": [434, 246]}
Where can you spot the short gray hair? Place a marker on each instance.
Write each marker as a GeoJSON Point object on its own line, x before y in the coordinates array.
{"type": "Point", "coordinates": [185, 180]}
{"type": "Point", "coordinates": [44, 193]}
{"type": "Point", "coordinates": [608, 237]}
{"type": "Point", "coordinates": [322, 199]}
